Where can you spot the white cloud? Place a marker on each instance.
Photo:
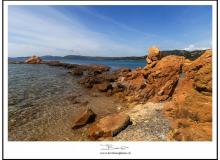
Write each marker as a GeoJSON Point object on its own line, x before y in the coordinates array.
{"type": "Point", "coordinates": [192, 47]}
{"type": "Point", "coordinates": [48, 30]}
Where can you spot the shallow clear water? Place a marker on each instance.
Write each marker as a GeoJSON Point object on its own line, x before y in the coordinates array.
{"type": "Point", "coordinates": [29, 83]}
{"type": "Point", "coordinates": [40, 105]}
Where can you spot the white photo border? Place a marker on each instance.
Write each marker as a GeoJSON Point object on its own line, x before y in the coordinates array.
{"type": "Point", "coordinates": [90, 150]}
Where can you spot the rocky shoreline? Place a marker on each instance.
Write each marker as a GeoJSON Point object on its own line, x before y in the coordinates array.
{"type": "Point", "coordinates": [170, 87]}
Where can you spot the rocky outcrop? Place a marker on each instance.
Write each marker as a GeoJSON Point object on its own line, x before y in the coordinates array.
{"type": "Point", "coordinates": [190, 109]}
{"type": "Point", "coordinates": [97, 69]}
{"type": "Point", "coordinates": [104, 79]}
{"type": "Point", "coordinates": [109, 126]}
{"type": "Point", "coordinates": [84, 117]}
{"type": "Point", "coordinates": [156, 82]}
{"type": "Point", "coordinates": [33, 60]}
{"type": "Point", "coordinates": [163, 77]}
{"type": "Point", "coordinates": [200, 71]}
{"type": "Point", "coordinates": [183, 85]}
{"type": "Point", "coordinates": [153, 55]}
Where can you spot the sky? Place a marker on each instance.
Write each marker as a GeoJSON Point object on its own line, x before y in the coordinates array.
{"type": "Point", "coordinates": [106, 30]}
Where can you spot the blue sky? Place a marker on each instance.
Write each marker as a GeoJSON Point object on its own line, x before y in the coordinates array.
{"type": "Point", "coordinates": [107, 30]}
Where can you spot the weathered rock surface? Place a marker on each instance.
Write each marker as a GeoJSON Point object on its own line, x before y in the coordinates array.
{"type": "Point", "coordinates": [200, 71]}
{"type": "Point", "coordinates": [191, 107]}
{"type": "Point", "coordinates": [103, 78]}
{"type": "Point", "coordinates": [162, 79]}
{"type": "Point", "coordinates": [156, 82]}
{"type": "Point", "coordinates": [84, 117]}
{"type": "Point", "coordinates": [185, 85]}
{"type": "Point", "coordinates": [33, 60]}
{"type": "Point", "coordinates": [109, 126]}
{"type": "Point", "coordinates": [153, 55]}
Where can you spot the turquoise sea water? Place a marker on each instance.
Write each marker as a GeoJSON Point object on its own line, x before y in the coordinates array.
{"type": "Point", "coordinates": [114, 64]}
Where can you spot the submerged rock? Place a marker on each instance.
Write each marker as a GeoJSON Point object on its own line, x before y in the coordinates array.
{"type": "Point", "coordinates": [84, 117]}
{"type": "Point", "coordinates": [109, 126]}
{"type": "Point", "coordinates": [97, 69]}
{"type": "Point", "coordinates": [77, 72]}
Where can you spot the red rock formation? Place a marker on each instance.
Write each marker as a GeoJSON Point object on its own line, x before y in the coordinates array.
{"type": "Point", "coordinates": [185, 86]}
{"type": "Point", "coordinates": [163, 77]}
{"type": "Point", "coordinates": [33, 60]}
{"type": "Point", "coordinates": [191, 107]}
{"type": "Point", "coordinates": [102, 78]}
{"type": "Point", "coordinates": [156, 82]}
{"type": "Point", "coordinates": [153, 55]}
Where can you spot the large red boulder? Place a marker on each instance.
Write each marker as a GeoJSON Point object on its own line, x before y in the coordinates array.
{"type": "Point", "coordinates": [109, 126]}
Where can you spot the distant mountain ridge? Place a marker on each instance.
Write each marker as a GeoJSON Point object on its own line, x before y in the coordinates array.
{"type": "Point", "coordinates": [192, 55]}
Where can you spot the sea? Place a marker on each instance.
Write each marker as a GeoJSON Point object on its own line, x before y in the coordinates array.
{"type": "Point", "coordinates": [114, 64]}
